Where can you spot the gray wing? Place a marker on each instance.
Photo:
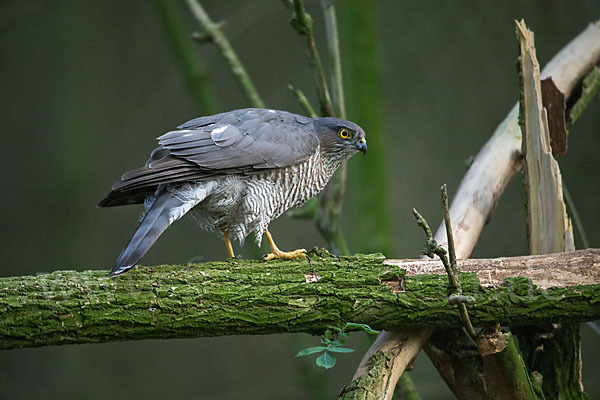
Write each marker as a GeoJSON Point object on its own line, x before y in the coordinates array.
{"type": "Point", "coordinates": [243, 139]}
{"type": "Point", "coordinates": [239, 142]}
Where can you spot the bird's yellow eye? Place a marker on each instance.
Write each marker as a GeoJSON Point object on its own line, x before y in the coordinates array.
{"type": "Point", "coordinates": [344, 134]}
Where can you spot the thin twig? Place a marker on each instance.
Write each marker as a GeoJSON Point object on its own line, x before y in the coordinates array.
{"type": "Point", "coordinates": [431, 246]}
{"type": "Point", "coordinates": [575, 215]}
{"type": "Point", "coordinates": [330, 209]}
{"type": "Point", "coordinates": [213, 31]}
{"type": "Point", "coordinates": [455, 295]}
{"type": "Point", "coordinates": [193, 70]}
{"type": "Point", "coordinates": [331, 199]}
{"type": "Point", "coordinates": [304, 103]}
{"type": "Point", "coordinates": [458, 296]}
{"type": "Point", "coordinates": [337, 82]}
{"type": "Point", "coordinates": [451, 248]}
{"type": "Point", "coordinates": [302, 22]}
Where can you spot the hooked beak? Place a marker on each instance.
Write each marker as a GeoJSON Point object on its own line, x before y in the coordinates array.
{"type": "Point", "coordinates": [362, 145]}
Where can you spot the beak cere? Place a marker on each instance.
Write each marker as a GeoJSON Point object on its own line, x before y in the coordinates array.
{"type": "Point", "coordinates": [362, 145]}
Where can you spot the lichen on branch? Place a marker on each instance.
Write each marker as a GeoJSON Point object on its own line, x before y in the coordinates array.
{"type": "Point", "coordinates": [253, 297]}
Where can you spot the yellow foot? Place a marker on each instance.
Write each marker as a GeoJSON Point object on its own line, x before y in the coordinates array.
{"type": "Point", "coordinates": [285, 255]}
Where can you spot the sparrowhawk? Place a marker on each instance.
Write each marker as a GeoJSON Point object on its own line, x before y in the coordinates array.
{"type": "Point", "coordinates": [235, 172]}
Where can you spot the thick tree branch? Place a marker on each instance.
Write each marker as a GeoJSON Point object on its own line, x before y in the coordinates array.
{"type": "Point", "coordinates": [252, 297]}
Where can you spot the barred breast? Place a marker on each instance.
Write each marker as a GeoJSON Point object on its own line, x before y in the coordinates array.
{"type": "Point", "coordinates": [240, 205]}
{"type": "Point", "coordinates": [270, 194]}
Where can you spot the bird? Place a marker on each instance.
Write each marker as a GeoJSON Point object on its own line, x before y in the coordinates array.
{"type": "Point", "coordinates": [234, 172]}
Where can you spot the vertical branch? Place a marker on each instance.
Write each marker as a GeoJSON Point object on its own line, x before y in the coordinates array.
{"type": "Point", "coordinates": [213, 33]}
{"type": "Point", "coordinates": [303, 24]}
{"type": "Point", "coordinates": [578, 222]}
{"type": "Point", "coordinates": [331, 200]}
{"type": "Point", "coordinates": [337, 82]}
{"type": "Point", "coordinates": [368, 176]}
{"type": "Point", "coordinates": [453, 272]}
{"type": "Point", "coordinates": [303, 101]}
{"type": "Point", "coordinates": [193, 71]}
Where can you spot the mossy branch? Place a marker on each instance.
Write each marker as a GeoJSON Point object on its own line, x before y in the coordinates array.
{"type": "Point", "coordinates": [252, 297]}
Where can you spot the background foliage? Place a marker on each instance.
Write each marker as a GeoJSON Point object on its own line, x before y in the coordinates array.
{"type": "Point", "coordinates": [87, 86]}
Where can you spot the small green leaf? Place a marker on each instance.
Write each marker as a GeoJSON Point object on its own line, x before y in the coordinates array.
{"type": "Point", "coordinates": [363, 327]}
{"type": "Point", "coordinates": [338, 343]}
{"type": "Point", "coordinates": [326, 360]}
{"type": "Point", "coordinates": [336, 349]}
{"type": "Point", "coordinates": [310, 350]}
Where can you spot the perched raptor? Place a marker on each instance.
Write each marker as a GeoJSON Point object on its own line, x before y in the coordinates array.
{"type": "Point", "coordinates": [235, 171]}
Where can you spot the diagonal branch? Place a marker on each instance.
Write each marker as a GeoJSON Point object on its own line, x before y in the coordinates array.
{"type": "Point", "coordinates": [193, 71]}
{"type": "Point", "coordinates": [213, 33]}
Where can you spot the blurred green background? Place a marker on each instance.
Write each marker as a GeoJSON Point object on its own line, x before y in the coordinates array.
{"type": "Point", "coordinates": [86, 86]}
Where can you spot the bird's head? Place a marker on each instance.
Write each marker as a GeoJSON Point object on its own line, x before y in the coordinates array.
{"type": "Point", "coordinates": [338, 136]}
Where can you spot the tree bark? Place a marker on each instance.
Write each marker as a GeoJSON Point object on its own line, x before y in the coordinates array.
{"type": "Point", "coordinates": [252, 297]}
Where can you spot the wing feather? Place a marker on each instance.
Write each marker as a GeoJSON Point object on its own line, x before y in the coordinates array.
{"type": "Point", "coordinates": [238, 142]}
{"type": "Point", "coordinates": [257, 139]}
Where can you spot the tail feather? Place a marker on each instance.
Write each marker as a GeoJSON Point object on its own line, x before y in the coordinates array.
{"type": "Point", "coordinates": [164, 211]}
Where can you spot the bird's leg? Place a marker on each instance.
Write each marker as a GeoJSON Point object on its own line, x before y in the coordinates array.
{"type": "Point", "coordinates": [228, 244]}
{"type": "Point", "coordinates": [283, 255]}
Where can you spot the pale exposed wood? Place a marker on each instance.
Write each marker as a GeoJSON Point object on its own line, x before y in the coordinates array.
{"type": "Point", "coordinates": [548, 225]}
{"type": "Point", "coordinates": [581, 267]}
{"type": "Point", "coordinates": [501, 156]}
{"type": "Point", "coordinates": [549, 228]}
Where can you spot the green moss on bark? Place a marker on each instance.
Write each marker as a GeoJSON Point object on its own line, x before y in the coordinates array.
{"type": "Point", "coordinates": [252, 297]}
